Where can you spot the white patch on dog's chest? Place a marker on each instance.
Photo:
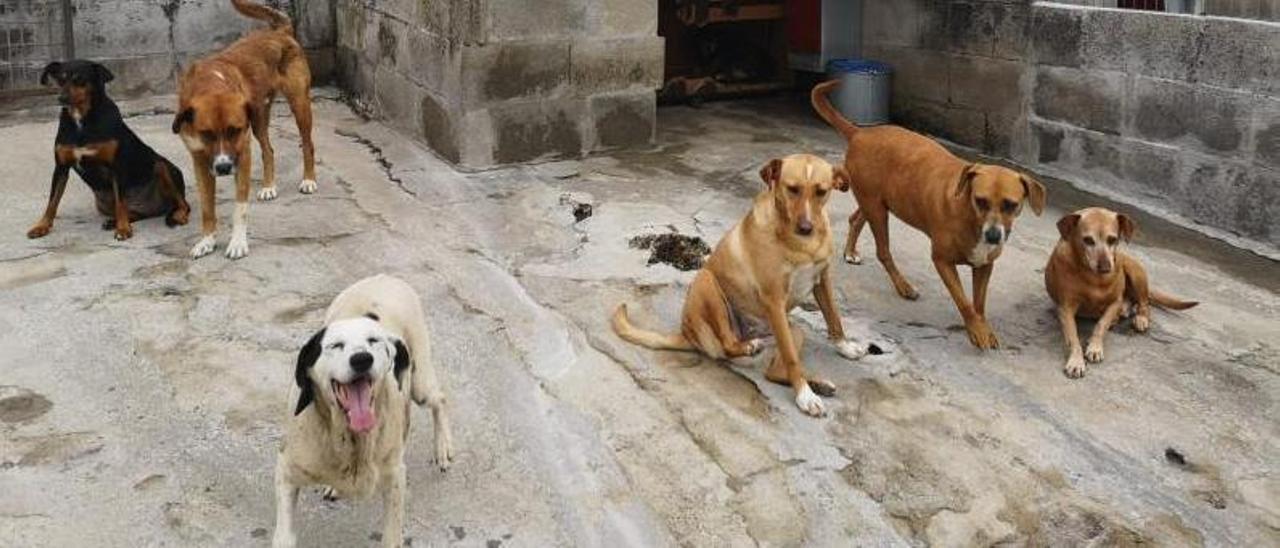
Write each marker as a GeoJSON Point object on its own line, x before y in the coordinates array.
{"type": "Point", "coordinates": [803, 279]}
{"type": "Point", "coordinates": [980, 255]}
{"type": "Point", "coordinates": [84, 152]}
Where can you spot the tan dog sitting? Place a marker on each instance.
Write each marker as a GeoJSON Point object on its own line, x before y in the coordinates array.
{"type": "Point", "coordinates": [1089, 276]}
{"type": "Point", "coordinates": [778, 255]}
{"type": "Point", "coordinates": [966, 209]}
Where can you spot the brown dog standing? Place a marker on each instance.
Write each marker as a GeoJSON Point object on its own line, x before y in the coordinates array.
{"type": "Point", "coordinates": [225, 96]}
{"type": "Point", "coordinates": [758, 272]}
{"type": "Point", "coordinates": [966, 209]}
{"type": "Point", "coordinates": [1089, 276]}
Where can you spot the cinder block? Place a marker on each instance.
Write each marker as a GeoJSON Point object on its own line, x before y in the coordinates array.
{"type": "Point", "coordinates": [628, 17]}
{"type": "Point", "coordinates": [1056, 35]}
{"type": "Point", "coordinates": [398, 99]}
{"type": "Point", "coordinates": [536, 130]}
{"type": "Point", "coordinates": [1167, 111]}
{"type": "Point", "coordinates": [510, 20]}
{"type": "Point", "coordinates": [439, 128]}
{"type": "Point", "coordinates": [1266, 138]}
{"type": "Point", "coordinates": [971, 28]}
{"type": "Point", "coordinates": [892, 22]}
{"type": "Point", "coordinates": [615, 65]}
{"type": "Point", "coordinates": [622, 120]}
{"type": "Point", "coordinates": [1011, 22]}
{"type": "Point", "coordinates": [962, 126]}
{"type": "Point", "coordinates": [1102, 41]}
{"type": "Point", "coordinates": [933, 27]}
{"type": "Point", "coordinates": [513, 70]}
{"type": "Point", "coordinates": [1161, 46]}
{"type": "Point", "coordinates": [917, 73]}
{"type": "Point", "coordinates": [432, 61]}
{"type": "Point", "coordinates": [1085, 99]}
{"type": "Point", "coordinates": [1153, 170]}
{"type": "Point", "coordinates": [985, 83]}
{"type": "Point", "coordinates": [1241, 54]}
{"type": "Point", "coordinates": [351, 22]}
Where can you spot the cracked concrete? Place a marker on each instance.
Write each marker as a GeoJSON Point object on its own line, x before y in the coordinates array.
{"type": "Point", "coordinates": [141, 393]}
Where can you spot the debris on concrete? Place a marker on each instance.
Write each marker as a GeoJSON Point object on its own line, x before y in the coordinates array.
{"type": "Point", "coordinates": [682, 252]}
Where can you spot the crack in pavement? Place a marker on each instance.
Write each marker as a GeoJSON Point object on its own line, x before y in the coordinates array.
{"type": "Point", "coordinates": [378, 156]}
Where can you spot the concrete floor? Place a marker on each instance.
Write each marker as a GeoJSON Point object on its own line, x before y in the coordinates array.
{"type": "Point", "coordinates": [141, 393]}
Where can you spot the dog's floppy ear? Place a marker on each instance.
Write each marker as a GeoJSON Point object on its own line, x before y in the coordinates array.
{"type": "Point", "coordinates": [187, 116]}
{"type": "Point", "coordinates": [402, 361]}
{"type": "Point", "coordinates": [1035, 193]}
{"type": "Point", "coordinates": [1067, 225]}
{"type": "Point", "coordinates": [841, 178]}
{"type": "Point", "coordinates": [49, 70]}
{"type": "Point", "coordinates": [306, 358]}
{"type": "Point", "coordinates": [102, 74]}
{"type": "Point", "coordinates": [771, 172]}
{"type": "Point", "coordinates": [1127, 226]}
{"type": "Point", "coordinates": [965, 185]}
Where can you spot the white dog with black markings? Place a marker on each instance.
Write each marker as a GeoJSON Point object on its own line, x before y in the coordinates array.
{"type": "Point", "coordinates": [354, 381]}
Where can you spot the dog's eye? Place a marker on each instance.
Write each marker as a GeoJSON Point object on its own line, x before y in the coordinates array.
{"type": "Point", "coordinates": [208, 135]}
{"type": "Point", "coordinates": [821, 192]}
{"type": "Point", "coordinates": [793, 190]}
{"type": "Point", "coordinates": [1009, 206]}
{"type": "Point", "coordinates": [337, 346]}
{"type": "Point", "coordinates": [1088, 240]}
{"type": "Point", "coordinates": [983, 204]}
{"type": "Point", "coordinates": [1112, 240]}
{"type": "Point", "coordinates": [232, 132]}
{"type": "Point", "coordinates": [372, 340]}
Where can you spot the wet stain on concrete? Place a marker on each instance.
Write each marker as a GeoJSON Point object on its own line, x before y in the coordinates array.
{"type": "Point", "coordinates": [682, 252]}
{"type": "Point", "coordinates": [19, 405]}
{"type": "Point", "coordinates": [58, 448]}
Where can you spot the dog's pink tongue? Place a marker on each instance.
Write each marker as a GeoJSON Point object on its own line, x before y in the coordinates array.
{"type": "Point", "coordinates": [360, 416]}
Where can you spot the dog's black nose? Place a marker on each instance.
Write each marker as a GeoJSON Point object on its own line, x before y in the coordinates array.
{"type": "Point", "coordinates": [993, 235]}
{"type": "Point", "coordinates": [361, 362]}
{"type": "Point", "coordinates": [222, 169]}
{"type": "Point", "coordinates": [804, 228]}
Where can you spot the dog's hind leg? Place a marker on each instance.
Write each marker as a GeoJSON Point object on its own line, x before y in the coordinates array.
{"type": "Point", "coordinates": [297, 90]}
{"type": "Point", "coordinates": [262, 132]}
{"type": "Point", "coordinates": [856, 222]}
{"type": "Point", "coordinates": [393, 505]}
{"type": "Point", "coordinates": [286, 503]}
{"type": "Point", "coordinates": [1138, 292]}
{"type": "Point", "coordinates": [878, 217]}
{"type": "Point", "coordinates": [172, 190]}
{"type": "Point", "coordinates": [708, 322]}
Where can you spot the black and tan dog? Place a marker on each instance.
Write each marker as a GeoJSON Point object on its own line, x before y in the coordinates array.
{"type": "Point", "coordinates": [223, 97]}
{"type": "Point", "coordinates": [130, 181]}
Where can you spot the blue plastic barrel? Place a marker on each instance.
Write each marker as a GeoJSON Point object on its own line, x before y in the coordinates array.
{"type": "Point", "coordinates": [865, 87]}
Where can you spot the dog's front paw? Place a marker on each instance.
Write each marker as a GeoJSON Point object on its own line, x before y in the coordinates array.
{"type": "Point", "coordinates": [39, 231]}
{"type": "Point", "coordinates": [755, 347]}
{"type": "Point", "coordinates": [124, 232]}
{"type": "Point", "coordinates": [177, 217]}
{"type": "Point", "coordinates": [850, 350]}
{"type": "Point", "coordinates": [853, 258]}
{"type": "Point", "coordinates": [907, 291]}
{"type": "Point", "coordinates": [238, 247]}
{"type": "Point", "coordinates": [330, 494]}
{"type": "Point", "coordinates": [981, 335]}
{"type": "Point", "coordinates": [205, 246]}
{"type": "Point", "coordinates": [267, 193]}
{"type": "Point", "coordinates": [1094, 353]}
{"type": "Point", "coordinates": [809, 402]}
{"type": "Point", "coordinates": [444, 451]}
{"type": "Point", "coordinates": [307, 186]}
{"type": "Point", "coordinates": [1141, 323]}
{"type": "Point", "coordinates": [1075, 367]}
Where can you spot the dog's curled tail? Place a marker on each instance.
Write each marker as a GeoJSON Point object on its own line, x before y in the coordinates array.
{"type": "Point", "coordinates": [1165, 300]}
{"type": "Point", "coordinates": [276, 18]}
{"type": "Point", "coordinates": [643, 337]}
{"type": "Point", "coordinates": [828, 112]}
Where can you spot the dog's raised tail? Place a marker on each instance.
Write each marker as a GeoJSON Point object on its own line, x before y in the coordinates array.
{"type": "Point", "coordinates": [827, 111]}
{"type": "Point", "coordinates": [1165, 300]}
{"type": "Point", "coordinates": [643, 337]}
{"type": "Point", "coordinates": [276, 18]}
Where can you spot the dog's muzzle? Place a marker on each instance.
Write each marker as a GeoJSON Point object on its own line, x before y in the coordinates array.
{"type": "Point", "coordinates": [993, 235]}
{"type": "Point", "coordinates": [222, 165]}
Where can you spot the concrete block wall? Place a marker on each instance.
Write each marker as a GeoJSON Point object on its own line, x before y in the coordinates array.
{"type": "Point", "coordinates": [489, 83]}
{"type": "Point", "coordinates": [1176, 112]}
{"type": "Point", "coordinates": [146, 42]}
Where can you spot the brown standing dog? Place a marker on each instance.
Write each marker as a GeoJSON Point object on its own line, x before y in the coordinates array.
{"type": "Point", "coordinates": [225, 96]}
{"type": "Point", "coordinates": [966, 209]}
{"type": "Point", "coordinates": [758, 272]}
{"type": "Point", "coordinates": [1089, 276]}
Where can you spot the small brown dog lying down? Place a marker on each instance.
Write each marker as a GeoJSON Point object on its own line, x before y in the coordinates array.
{"type": "Point", "coordinates": [1089, 276]}
{"type": "Point", "coordinates": [966, 209]}
{"type": "Point", "coordinates": [758, 272]}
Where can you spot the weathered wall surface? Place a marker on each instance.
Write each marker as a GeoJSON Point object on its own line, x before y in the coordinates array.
{"type": "Point", "coordinates": [145, 42]}
{"type": "Point", "coordinates": [491, 83]}
{"type": "Point", "coordinates": [1177, 113]}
